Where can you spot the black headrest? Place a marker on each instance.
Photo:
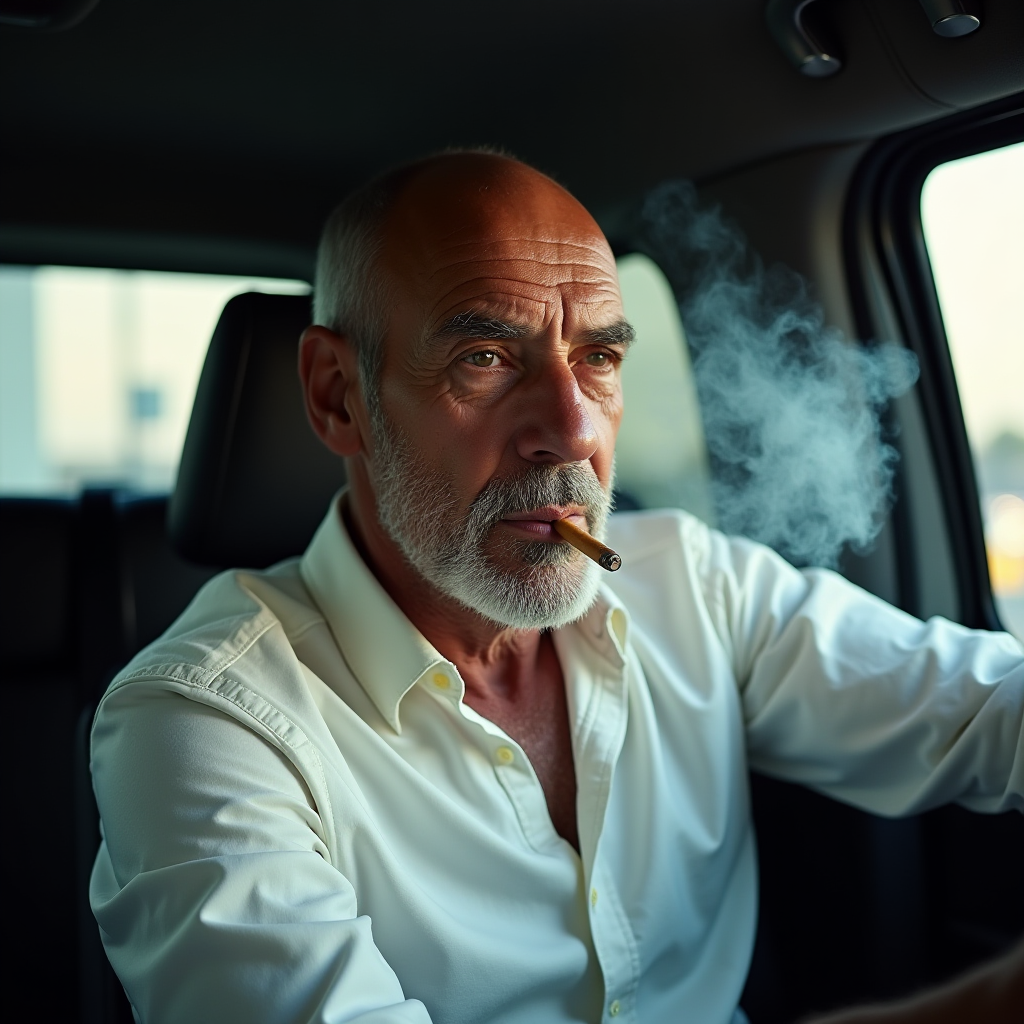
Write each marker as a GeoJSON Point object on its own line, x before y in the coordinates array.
{"type": "Point", "coordinates": [254, 480]}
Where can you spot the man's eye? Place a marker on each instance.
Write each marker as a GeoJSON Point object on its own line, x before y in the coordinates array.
{"type": "Point", "coordinates": [483, 359]}
{"type": "Point", "coordinates": [598, 359]}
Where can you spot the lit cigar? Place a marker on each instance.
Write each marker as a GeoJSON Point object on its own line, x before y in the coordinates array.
{"type": "Point", "coordinates": [582, 541]}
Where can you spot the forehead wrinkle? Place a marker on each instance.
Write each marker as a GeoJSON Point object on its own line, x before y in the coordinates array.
{"type": "Point", "coordinates": [580, 272]}
{"type": "Point", "coordinates": [498, 293]}
{"type": "Point", "coordinates": [493, 250]}
{"type": "Point", "coordinates": [597, 246]}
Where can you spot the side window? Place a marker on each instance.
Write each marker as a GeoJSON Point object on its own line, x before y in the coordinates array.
{"type": "Point", "coordinates": [98, 370]}
{"type": "Point", "coordinates": [972, 211]}
{"type": "Point", "coordinates": [661, 459]}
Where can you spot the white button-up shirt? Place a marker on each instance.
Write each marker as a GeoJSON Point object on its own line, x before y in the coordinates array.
{"type": "Point", "coordinates": [304, 821]}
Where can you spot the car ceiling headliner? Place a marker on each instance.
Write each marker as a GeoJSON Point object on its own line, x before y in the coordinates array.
{"type": "Point", "coordinates": [248, 119]}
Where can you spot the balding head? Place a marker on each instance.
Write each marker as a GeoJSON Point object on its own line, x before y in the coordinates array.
{"type": "Point", "coordinates": [485, 193]}
{"type": "Point", "coordinates": [385, 228]}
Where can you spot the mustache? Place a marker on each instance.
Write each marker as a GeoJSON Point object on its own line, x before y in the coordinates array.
{"type": "Point", "coordinates": [572, 483]}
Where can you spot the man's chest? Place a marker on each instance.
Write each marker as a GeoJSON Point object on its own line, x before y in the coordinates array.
{"type": "Point", "coordinates": [463, 840]}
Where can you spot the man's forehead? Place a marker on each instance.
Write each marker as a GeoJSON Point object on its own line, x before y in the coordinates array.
{"type": "Point", "coordinates": [569, 253]}
{"type": "Point", "coordinates": [522, 280]}
{"type": "Point", "coordinates": [483, 208]}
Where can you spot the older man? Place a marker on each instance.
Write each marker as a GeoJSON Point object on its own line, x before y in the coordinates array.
{"type": "Point", "coordinates": [443, 767]}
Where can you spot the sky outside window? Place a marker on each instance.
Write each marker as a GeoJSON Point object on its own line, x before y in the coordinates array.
{"type": "Point", "coordinates": [98, 370]}
{"type": "Point", "coordinates": [972, 211]}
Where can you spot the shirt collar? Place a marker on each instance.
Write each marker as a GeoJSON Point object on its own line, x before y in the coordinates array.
{"type": "Point", "coordinates": [607, 626]}
{"type": "Point", "coordinates": [383, 649]}
{"type": "Point", "coordinates": [386, 653]}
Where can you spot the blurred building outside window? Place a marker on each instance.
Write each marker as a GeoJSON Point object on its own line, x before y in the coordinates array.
{"type": "Point", "coordinates": [972, 211]}
{"type": "Point", "coordinates": [98, 371]}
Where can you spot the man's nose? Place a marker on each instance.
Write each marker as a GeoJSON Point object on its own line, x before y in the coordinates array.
{"type": "Point", "coordinates": [555, 423]}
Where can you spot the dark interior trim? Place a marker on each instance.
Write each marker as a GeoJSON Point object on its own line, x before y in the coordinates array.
{"type": "Point", "coordinates": [883, 238]}
{"type": "Point", "coordinates": [38, 244]}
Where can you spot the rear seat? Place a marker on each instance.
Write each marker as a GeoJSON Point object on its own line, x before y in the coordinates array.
{"type": "Point", "coordinates": [39, 668]}
{"type": "Point", "coordinates": [86, 583]}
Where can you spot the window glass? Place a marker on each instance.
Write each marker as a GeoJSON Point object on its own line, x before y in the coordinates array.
{"type": "Point", "coordinates": [661, 459]}
{"type": "Point", "coordinates": [973, 216]}
{"type": "Point", "coordinates": [98, 370]}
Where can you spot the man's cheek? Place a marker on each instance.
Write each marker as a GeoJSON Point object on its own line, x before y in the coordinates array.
{"type": "Point", "coordinates": [472, 462]}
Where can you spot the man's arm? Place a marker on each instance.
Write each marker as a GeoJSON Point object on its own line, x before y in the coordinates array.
{"type": "Point", "coordinates": [990, 994]}
{"type": "Point", "coordinates": [844, 693]}
{"type": "Point", "coordinates": [213, 890]}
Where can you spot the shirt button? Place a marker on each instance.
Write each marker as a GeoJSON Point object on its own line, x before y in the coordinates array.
{"type": "Point", "coordinates": [593, 897]}
{"type": "Point", "coordinates": [441, 681]}
{"type": "Point", "coordinates": [613, 1009]}
{"type": "Point", "coordinates": [506, 755]}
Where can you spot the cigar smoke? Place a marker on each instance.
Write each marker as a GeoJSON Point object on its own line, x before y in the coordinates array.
{"type": "Point", "coordinates": [791, 409]}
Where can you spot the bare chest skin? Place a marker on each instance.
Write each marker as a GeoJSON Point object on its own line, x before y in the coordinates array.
{"type": "Point", "coordinates": [532, 709]}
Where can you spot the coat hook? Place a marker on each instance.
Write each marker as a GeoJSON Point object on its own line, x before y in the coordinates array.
{"type": "Point", "coordinates": [950, 18]}
{"type": "Point", "coordinates": [805, 53]}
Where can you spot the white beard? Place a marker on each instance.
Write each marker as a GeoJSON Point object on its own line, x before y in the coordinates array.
{"type": "Point", "coordinates": [553, 585]}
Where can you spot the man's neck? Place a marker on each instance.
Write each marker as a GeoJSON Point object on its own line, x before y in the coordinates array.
{"type": "Point", "coordinates": [493, 660]}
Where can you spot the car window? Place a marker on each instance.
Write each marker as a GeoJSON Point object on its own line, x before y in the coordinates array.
{"type": "Point", "coordinates": [98, 370]}
{"type": "Point", "coordinates": [661, 458]}
{"type": "Point", "coordinates": [972, 211]}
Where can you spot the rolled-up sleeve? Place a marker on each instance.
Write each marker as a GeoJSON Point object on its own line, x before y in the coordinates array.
{"type": "Point", "coordinates": [213, 889]}
{"type": "Point", "coordinates": [845, 693]}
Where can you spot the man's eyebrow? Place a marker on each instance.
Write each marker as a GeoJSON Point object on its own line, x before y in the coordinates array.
{"type": "Point", "coordinates": [479, 326]}
{"type": "Point", "coordinates": [475, 325]}
{"type": "Point", "coordinates": [619, 333]}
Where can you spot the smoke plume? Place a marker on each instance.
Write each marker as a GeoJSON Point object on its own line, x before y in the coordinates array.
{"type": "Point", "coordinates": [791, 409]}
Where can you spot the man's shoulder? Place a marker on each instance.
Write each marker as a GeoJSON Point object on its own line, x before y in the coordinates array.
{"type": "Point", "coordinates": [653, 533]}
{"type": "Point", "coordinates": [235, 617]}
{"type": "Point", "coordinates": [232, 651]}
{"type": "Point", "coordinates": [668, 553]}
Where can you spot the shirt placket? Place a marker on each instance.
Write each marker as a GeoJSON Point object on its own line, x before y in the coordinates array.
{"type": "Point", "coordinates": [516, 776]}
{"type": "Point", "coordinates": [597, 681]}
{"type": "Point", "coordinates": [511, 766]}
{"type": "Point", "coordinates": [599, 692]}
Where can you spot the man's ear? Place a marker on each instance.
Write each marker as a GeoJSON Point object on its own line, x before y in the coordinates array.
{"type": "Point", "coordinates": [329, 371]}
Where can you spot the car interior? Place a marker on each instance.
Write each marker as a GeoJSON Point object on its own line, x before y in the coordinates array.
{"type": "Point", "coordinates": [214, 138]}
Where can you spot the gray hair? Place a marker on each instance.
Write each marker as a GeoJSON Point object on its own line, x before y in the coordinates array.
{"type": "Point", "coordinates": [351, 294]}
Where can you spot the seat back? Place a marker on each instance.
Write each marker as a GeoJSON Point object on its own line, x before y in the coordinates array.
{"type": "Point", "coordinates": [254, 480]}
